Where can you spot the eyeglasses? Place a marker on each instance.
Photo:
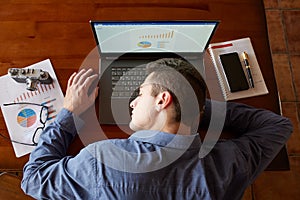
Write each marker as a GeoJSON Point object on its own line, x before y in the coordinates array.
{"type": "Point", "coordinates": [26, 120]}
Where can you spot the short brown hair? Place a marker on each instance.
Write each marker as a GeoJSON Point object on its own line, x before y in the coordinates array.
{"type": "Point", "coordinates": [183, 81]}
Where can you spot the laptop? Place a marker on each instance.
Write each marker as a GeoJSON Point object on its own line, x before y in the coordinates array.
{"type": "Point", "coordinates": [125, 48]}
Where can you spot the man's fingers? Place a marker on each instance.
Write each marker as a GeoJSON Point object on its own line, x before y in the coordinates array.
{"type": "Point", "coordinates": [78, 76]}
{"type": "Point", "coordinates": [84, 76]}
{"type": "Point", "coordinates": [88, 81]}
{"type": "Point", "coordinates": [81, 91]}
{"type": "Point", "coordinates": [83, 79]}
{"type": "Point", "coordinates": [70, 81]}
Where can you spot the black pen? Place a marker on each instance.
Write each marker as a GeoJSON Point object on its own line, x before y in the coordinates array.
{"type": "Point", "coordinates": [246, 62]}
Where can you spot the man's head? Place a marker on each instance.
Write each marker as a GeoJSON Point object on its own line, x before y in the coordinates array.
{"type": "Point", "coordinates": [174, 87]}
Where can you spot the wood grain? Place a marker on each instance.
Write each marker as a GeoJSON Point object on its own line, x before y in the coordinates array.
{"type": "Point", "coordinates": [32, 31]}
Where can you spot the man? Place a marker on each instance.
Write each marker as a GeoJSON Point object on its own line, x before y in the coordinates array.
{"type": "Point", "coordinates": [161, 160]}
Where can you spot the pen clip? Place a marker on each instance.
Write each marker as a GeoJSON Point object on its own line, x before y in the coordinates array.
{"type": "Point", "coordinates": [246, 59]}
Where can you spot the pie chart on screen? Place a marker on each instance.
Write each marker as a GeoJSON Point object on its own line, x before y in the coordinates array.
{"type": "Point", "coordinates": [26, 117]}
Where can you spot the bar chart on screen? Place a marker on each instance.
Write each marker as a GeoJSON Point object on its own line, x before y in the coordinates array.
{"type": "Point", "coordinates": [165, 35]}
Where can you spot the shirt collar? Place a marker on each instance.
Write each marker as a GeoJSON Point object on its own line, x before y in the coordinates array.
{"type": "Point", "coordinates": [168, 139]}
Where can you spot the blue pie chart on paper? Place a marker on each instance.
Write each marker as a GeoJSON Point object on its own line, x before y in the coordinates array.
{"type": "Point", "coordinates": [26, 117]}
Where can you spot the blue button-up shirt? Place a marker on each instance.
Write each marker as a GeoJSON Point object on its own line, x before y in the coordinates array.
{"type": "Point", "coordinates": [156, 165]}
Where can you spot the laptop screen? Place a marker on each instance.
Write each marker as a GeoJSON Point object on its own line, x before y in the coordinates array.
{"type": "Point", "coordinates": [140, 37]}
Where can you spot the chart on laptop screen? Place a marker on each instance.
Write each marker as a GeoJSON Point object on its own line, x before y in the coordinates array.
{"type": "Point", "coordinates": [153, 37]}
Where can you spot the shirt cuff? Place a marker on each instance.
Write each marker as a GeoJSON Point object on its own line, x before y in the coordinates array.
{"type": "Point", "coordinates": [69, 122]}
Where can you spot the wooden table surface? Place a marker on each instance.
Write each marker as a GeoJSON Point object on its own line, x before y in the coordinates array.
{"type": "Point", "coordinates": [60, 30]}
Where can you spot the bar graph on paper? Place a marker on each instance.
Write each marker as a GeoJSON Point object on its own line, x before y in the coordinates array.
{"type": "Point", "coordinates": [42, 90]}
{"type": "Point", "coordinates": [51, 109]}
{"type": "Point", "coordinates": [28, 95]}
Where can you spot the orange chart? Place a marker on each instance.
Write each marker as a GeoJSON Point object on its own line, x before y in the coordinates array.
{"type": "Point", "coordinates": [167, 35]}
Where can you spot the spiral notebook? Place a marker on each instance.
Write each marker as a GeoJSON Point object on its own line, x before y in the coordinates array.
{"type": "Point", "coordinates": [225, 79]}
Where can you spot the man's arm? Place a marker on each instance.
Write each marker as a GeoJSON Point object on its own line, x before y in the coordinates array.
{"type": "Point", "coordinates": [259, 134]}
{"type": "Point", "coordinates": [51, 174]}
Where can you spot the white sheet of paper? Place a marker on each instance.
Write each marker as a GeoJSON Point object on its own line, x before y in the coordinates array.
{"type": "Point", "coordinates": [22, 120]}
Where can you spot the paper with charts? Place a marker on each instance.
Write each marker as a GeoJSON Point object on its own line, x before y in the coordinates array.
{"type": "Point", "coordinates": [22, 120]}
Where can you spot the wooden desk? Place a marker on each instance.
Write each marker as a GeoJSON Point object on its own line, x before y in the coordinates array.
{"type": "Point", "coordinates": [10, 187]}
{"type": "Point", "coordinates": [33, 32]}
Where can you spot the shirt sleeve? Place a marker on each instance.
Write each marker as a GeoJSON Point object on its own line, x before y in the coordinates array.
{"type": "Point", "coordinates": [50, 173]}
{"type": "Point", "coordinates": [258, 134]}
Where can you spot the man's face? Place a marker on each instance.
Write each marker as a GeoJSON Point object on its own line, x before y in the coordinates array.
{"type": "Point", "coordinates": [143, 114]}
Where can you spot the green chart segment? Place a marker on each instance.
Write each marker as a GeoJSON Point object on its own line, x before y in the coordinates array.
{"type": "Point", "coordinates": [26, 117]}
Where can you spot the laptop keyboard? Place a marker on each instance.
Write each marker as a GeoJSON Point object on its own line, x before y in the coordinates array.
{"type": "Point", "coordinates": [126, 81]}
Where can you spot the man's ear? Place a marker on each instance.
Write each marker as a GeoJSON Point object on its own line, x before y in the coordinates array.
{"type": "Point", "coordinates": [164, 99]}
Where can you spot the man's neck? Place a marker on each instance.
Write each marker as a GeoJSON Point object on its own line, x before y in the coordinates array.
{"type": "Point", "coordinates": [177, 128]}
{"type": "Point", "coordinates": [166, 123]}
